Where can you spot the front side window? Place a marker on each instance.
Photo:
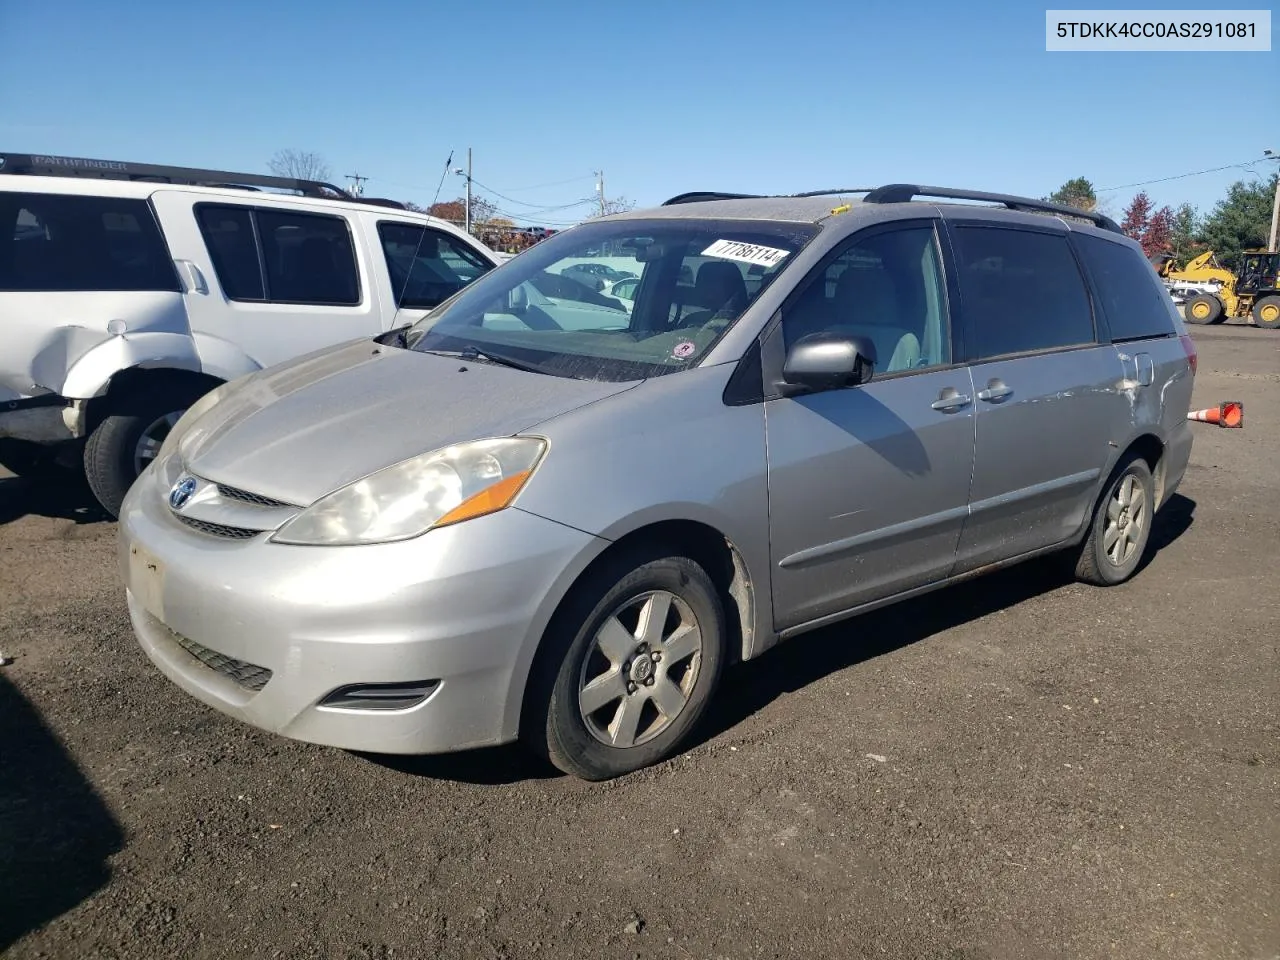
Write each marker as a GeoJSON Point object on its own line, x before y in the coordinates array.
{"type": "Point", "coordinates": [427, 266]}
{"type": "Point", "coordinates": [1021, 291]}
{"type": "Point", "coordinates": [551, 309]}
{"type": "Point", "coordinates": [54, 243]}
{"type": "Point", "coordinates": [1134, 302]}
{"type": "Point", "coordinates": [886, 288]}
{"type": "Point", "coordinates": [279, 256]}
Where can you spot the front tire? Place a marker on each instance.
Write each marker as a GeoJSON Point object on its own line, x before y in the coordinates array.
{"type": "Point", "coordinates": [635, 656]}
{"type": "Point", "coordinates": [1121, 527]}
{"type": "Point", "coordinates": [128, 439]}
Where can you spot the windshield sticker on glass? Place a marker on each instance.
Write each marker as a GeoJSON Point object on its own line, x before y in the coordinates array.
{"type": "Point", "coordinates": [684, 348]}
{"type": "Point", "coordinates": [746, 252]}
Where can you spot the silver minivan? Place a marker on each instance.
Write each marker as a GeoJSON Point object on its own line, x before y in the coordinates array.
{"type": "Point", "coordinates": [547, 514]}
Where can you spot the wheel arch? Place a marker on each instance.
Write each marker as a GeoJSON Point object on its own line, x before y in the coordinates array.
{"type": "Point", "coordinates": [133, 380]}
{"type": "Point", "coordinates": [1151, 448]}
{"type": "Point", "coordinates": [700, 542]}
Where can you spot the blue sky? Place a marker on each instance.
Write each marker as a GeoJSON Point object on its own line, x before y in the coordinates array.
{"type": "Point", "coordinates": [663, 96]}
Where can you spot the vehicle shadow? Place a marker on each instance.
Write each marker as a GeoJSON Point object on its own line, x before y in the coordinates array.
{"type": "Point", "coordinates": [56, 834]}
{"type": "Point", "coordinates": [489, 767]}
{"type": "Point", "coordinates": [795, 664]}
{"type": "Point", "coordinates": [753, 685]}
{"type": "Point", "coordinates": [61, 498]}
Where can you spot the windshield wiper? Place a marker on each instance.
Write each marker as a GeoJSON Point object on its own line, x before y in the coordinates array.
{"type": "Point", "coordinates": [475, 353]}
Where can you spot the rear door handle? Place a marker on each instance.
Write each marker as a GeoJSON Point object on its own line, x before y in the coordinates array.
{"type": "Point", "coordinates": [950, 400]}
{"type": "Point", "coordinates": [995, 391]}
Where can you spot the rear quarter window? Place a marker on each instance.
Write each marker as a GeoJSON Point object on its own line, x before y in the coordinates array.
{"type": "Point", "coordinates": [1133, 300]}
{"type": "Point", "coordinates": [54, 243]}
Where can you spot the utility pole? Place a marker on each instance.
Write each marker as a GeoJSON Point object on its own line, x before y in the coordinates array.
{"type": "Point", "coordinates": [467, 173]}
{"type": "Point", "coordinates": [357, 187]}
{"type": "Point", "coordinates": [1275, 208]}
{"type": "Point", "coordinates": [600, 189]}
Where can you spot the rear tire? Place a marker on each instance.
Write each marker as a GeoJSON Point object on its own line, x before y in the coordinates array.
{"type": "Point", "coordinates": [1203, 308]}
{"type": "Point", "coordinates": [611, 697]}
{"type": "Point", "coordinates": [1121, 526]}
{"type": "Point", "coordinates": [128, 439]}
{"type": "Point", "coordinates": [1266, 313]}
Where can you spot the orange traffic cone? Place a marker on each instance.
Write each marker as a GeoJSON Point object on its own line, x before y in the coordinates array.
{"type": "Point", "coordinates": [1228, 414]}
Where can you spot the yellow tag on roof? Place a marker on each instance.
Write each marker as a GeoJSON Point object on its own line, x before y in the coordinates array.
{"type": "Point", "coordinates": [844, 208]}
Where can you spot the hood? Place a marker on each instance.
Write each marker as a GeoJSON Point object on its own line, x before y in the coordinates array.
{"type": "Point", "coordinates": [300, 431]}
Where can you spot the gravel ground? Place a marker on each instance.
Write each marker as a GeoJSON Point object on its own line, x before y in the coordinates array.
{"type": "Point", "coordinates": [1016, 767]}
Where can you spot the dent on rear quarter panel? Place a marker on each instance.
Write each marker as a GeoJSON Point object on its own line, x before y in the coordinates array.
{"type": "Point", "coordinates": [668, 450]}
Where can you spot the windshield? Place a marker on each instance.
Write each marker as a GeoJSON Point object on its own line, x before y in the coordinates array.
{"type": "Point", "coordinates": [621, 300]}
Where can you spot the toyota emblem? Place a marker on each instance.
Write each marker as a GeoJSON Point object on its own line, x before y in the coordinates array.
{"type": "Point", "coordinates": [181, 492]}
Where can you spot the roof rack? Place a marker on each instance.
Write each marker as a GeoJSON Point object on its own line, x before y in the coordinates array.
{"type": "Point", "coordinates": [698, 196]}
{"type": "Point", "coordinates": [51, 166]}
{"type": "Point", "coordinates": [380, 202]}
{"type": "Point", "coordinates": [903, 192]}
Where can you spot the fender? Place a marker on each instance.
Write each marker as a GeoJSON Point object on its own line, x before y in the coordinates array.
{"type": "Point", "coordinates": [89, 376]}
{"type": "Point", "coordinates": [222, 358]}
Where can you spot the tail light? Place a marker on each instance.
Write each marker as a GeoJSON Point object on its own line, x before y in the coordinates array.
{"type": "Point", "coordinates": [1189, 347]}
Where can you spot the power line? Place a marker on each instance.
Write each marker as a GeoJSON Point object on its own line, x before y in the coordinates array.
{"type": "Point", "coordinates": [488, 189]}
{"type": "Point", "coordinates": [522, 203]}
{"type": "Point", "coordinates": [557, 183]}
{"type": "Point", "coordinates": [1182, 176]}
{"type": "Point", "coordinates": [358, 185]}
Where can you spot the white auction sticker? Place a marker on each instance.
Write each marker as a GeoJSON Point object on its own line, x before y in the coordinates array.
{"type": "Point", "coordinates": [746, 252]}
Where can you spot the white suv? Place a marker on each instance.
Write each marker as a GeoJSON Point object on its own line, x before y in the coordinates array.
{"type": "Point", "coordinates": [128, 291]}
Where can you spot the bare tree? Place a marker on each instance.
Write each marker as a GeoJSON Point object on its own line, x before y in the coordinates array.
{"type": "Point", "coordinates": [300, 164]}
{"type": "Point", "coordinates": [482, 209]}
{"type": "Point", "coordinates": [617, 205]}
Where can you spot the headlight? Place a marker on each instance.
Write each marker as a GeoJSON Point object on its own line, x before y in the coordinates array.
{"type": "Point", "coordinates": [409, 498]}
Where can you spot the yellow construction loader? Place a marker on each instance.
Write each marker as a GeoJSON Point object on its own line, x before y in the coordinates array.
{"type": "Point", "coordinates": [1214, 293]}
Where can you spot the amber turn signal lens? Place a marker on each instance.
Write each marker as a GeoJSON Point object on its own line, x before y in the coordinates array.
{"type": "Point", "coordinates": [488, 500]}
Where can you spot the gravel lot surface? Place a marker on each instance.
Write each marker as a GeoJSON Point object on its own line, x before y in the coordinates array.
{"type": "Point", "coordinates": [1016, 767]}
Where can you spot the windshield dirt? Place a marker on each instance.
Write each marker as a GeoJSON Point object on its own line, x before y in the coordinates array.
{"type": "Point", "coordinates": [615, 301]}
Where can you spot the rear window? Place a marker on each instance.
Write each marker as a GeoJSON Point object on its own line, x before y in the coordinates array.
{"type": "Point", "coordinates": [53, 243]}
{"type": "Point", "coordinates": [1134, 302]}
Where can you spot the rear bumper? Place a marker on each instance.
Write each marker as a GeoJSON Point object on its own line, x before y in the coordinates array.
{"type": "Point", "coordinates": [1177, 454]}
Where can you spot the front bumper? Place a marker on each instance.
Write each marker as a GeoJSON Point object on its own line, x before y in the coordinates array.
{"type": "Point", "coordinates": [464, 605]}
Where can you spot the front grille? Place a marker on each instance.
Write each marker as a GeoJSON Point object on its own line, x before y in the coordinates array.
{"type": "Point", "coordinates": [244, 496]}
{"type": "Point", "coordinates": [250, 676]}
{"type": "Point", "coordinates": [218, 529]}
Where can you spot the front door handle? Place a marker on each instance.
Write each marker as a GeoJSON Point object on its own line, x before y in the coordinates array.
{"type": "Point", "coordinates": [950, 400]}
{"type": "Point", "coordinates": [995, 391]}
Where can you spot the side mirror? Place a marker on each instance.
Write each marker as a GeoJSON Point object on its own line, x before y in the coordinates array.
{"type": "Point", "coordinates": [826, 361]}
{"type": "Point", "coordinates": [518, 300]}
